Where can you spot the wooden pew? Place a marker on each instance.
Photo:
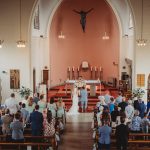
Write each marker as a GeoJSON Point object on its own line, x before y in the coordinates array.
{"type": "Point", "coordinates": [29, 140]}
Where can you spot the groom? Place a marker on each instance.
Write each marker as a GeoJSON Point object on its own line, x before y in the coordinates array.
{"type": "Point", "coordinates": [83, 98]}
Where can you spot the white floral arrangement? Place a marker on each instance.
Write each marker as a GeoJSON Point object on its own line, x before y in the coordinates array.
{"type": "Point", "coordinates": [138, 93]}
{"type": "Point", "coordinates": [24, 91]}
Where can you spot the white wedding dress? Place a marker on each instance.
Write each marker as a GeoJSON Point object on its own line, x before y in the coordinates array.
{"type": "Point", "coordinates": [74, 108]}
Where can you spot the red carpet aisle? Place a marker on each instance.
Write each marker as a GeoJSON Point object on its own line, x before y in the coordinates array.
{"type": "Point", "coordinates": [78, 134]}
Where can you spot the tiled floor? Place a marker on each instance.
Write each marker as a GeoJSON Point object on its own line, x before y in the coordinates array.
{"type": "Point", "coordinates": [78, 133]}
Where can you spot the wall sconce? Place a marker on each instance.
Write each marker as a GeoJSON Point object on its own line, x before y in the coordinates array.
{"type": "Point", "coordinates": [115, 64]}
{"type": "Point", "coordinates": [1, 42]}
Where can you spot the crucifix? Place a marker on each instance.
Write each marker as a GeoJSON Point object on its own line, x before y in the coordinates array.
{"type": "Point", "coordinates": [83, 17]}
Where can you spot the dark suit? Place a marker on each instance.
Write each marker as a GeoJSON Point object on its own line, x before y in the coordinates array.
{"type": "Point", "coordinates": [122, 133]}
{"type": "Point", "coordinates": [36, 119]}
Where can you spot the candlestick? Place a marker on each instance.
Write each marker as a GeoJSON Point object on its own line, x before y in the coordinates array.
{"type": "Point", "coordinates": [95, 68]}
{"type": "Point", "coordinates": [100, 69]}
{"type": "Point", "coordinates": [91, 68]}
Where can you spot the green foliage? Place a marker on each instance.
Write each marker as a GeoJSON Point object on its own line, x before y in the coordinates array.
{"type": "Point", "coordinates": [24, 91]}
{"type": "Point", "coordinates": [138, 93]}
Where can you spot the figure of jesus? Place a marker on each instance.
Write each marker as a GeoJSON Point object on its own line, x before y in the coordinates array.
{"type": "Point", "coordinates": [83, 17]}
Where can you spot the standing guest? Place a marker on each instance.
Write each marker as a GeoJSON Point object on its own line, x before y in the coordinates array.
{"type": "Point", "coordinates": [142, 108]}
{"type": "Point", "coordinates": [145, 124]}
{"type": "Point", "coordinates": [24, 114]}
{"type": "Point", "coordinates": [123, 104]}
{"type": "Point", "coordinates": [25, 100]}
{"type": "Point", "coordinates": [36, 119]}
{"type": "Point", "coordinates": [49, 126]}
{"type": "Point", "coordinates": [101, 102]}
{"type": "Point", "coordinates": [148, 105]}
{"type": "Point", "coordinates": [11, 104]}
{"type": "Point", "coordinates": [114, 116]}
{"type": "Point", "coordinates": [17, 129]}
{"type": "Point", "coordinates": [111, 104]}
{"type": "Point", "coordinates": [52, 107]}
{"type": "Point", "coordinates": [136, 122]}
{"type": "Point", "coordinates": [30, 105]}
{"type": "Point", "coordinates": [129, 111]}
{"type": "Point", "coordinates": [104, 136]}
{"type": "Point", "coordinates": [36, 98]}
{"type": "Point", "coordinates": [60, 108]}
{"type": "Point", "coordinates": [83, 98]}
{"type": "Point", "coordinates": [42, 103]}
{"type": "Point", "coordinates": [122, 133]}
{"type": "Point", "coordinates": [6, 120]}
{"type": "Point", "coordinates": [107, 97]}
{"type": "Point", "coordinates": [119, 98]}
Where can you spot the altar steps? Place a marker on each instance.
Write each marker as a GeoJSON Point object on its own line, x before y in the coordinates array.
{"type": "Point", "coordinates": [60, 91]}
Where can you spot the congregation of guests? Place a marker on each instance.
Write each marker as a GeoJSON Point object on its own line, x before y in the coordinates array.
{"type": "Point", "coordinates": [120, 116]}
{"type": "Point", "coordinates": [44, 118]}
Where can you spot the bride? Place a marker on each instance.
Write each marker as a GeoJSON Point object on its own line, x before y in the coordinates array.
{"type": "Point", "coordinates": [74, 108]}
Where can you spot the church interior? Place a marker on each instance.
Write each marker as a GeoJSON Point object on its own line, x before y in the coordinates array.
{"type": "Point", "coordinates": [52, 52]}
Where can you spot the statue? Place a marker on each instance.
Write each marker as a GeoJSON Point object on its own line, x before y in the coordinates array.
{"type": "Point", "coordinates": [83, 17]}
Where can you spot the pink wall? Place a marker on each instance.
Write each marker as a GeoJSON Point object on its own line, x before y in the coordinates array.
{"type": "Point", "coordinates": [79, 46]}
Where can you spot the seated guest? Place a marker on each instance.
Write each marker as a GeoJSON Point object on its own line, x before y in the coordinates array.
{"type": "Point", "coordinates": [24, 114]}
{"type": "Point", "coordinates": [122, 133]}
{"type": "Point", "coordinates": [145, 124]}
{"type": "Point", "coordinates": [35, 98]}
{"type": "Point", "coordinates": [42, 103]}
{"type": "Point", "coordinates": [135, 123]}
{"type": "Point", "coordinates": [104, 136]}
{"type": "Point", "coordinates": [36, 119]}
{"type": "Point", "coordinates": [12, 104]}
{"type": "Point", "coordinates": [52, 107]}
{"type": "Point", "coordinates": [119, 98]}
{"type": "Point", "coordinates": [30, 105]}
{"type": "Point", "coordinates": [60, 108]}
{"type": "Point", "coordinates": [17, 129]}
{"type": "Point", "coordinates": [49, 126]}
{"type": "Point", "coordinates": [129, 111]}
{"type": "Point", "coordinates": [123, 104]}
{"type": "Point", "coordinates": [6, 120]}
{"type": "Point", "coordinates": [111, 104]}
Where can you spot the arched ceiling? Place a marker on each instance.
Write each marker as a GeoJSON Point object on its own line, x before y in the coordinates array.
{"type": "Point", "coordinates": [48, 8]}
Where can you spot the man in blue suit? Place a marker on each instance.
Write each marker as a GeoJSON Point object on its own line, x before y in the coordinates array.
{"type": "Point", "coordinates": [36, 119]}
{"type": "Point", "coordinates": [83, 98]}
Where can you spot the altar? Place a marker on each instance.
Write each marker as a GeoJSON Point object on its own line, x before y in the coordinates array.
{"type": "Point", "coordinates": [80, 83]}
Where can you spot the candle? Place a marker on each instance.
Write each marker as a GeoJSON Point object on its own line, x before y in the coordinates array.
{"type": "Point", "coordinates": [91, 68]}
{"type": "Point", "coordinates": [100, 69]}
{"type": "Point", "coordinates": [78, 68]}
{"type": "Point", "coordinates": [68, 68]}
{"type": "Point", "coordinates": [73, 68]}
{"type": "Point", "coordinates": [95, 68]}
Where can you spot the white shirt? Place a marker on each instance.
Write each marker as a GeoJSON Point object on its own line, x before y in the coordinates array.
{"type": "Point", "coordinates": [12, 105]}
{"type": "Point", "coordinates": [129, 111]}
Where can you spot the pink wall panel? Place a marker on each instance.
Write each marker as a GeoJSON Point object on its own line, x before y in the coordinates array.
{"type": "Point", "coordinates": [79, 46]}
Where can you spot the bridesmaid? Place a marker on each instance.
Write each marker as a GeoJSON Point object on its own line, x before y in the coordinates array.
{"type": "Point", "coordinates": [42, 103]}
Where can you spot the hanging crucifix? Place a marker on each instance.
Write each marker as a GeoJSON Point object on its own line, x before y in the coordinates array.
{"type": "Point", "coordinates": [83, 17]}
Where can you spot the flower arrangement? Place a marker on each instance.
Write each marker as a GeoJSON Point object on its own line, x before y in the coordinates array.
{"type": "Point", "coordinates": [138, 93]}
{"type": "Point", "coordinates": [24, 91]}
